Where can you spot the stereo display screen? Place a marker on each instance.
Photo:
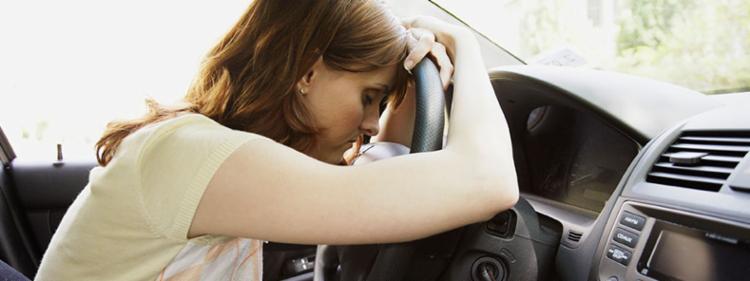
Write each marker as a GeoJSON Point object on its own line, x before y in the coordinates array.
{"type": "Point", "coordinates": [676, 252]}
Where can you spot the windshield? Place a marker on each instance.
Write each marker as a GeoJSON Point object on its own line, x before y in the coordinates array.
{"type": "Point", "coordinates": [701, 45]}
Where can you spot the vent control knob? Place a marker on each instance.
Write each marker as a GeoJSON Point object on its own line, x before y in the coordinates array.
{"type": "Point", "coordinates": [686, 158]}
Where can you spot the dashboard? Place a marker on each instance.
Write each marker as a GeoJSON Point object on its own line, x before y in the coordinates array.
{"type": "Point", "coordinates": [573, 157]}
{"type": "Point", "coordinates": [639, 179]}
{"type": "Point", "coordinates": [683, 213]}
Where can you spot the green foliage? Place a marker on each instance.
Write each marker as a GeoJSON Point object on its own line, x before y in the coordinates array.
{"type": "Point", "coordinates": [541, 27]}
{"type": "Point", "coordinates": [649, 23]}
{"type": "Point", "coordinates": [702, 45]}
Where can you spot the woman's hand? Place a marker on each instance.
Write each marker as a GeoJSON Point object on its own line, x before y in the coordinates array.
{"type": "Point", "coordinates": [421, 44]}
{"type": "Point", "coordinates": [430, 36]}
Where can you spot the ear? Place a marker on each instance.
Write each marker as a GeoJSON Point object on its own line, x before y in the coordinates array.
{"type": "Point", "coordinates": [310, 77]}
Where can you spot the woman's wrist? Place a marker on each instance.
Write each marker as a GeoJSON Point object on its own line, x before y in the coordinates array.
{"type": "Point", "coordinates": [465, 36]}
{"type": "Point", "coordinates": [457, 38]}
{"type": "Point", "coordinates": [444, 33]}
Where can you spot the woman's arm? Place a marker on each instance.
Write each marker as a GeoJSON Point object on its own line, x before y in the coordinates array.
{"type": "Point", "coordinates": [268, 191]}
{"type": "Point", "coordinates": [397, 123]}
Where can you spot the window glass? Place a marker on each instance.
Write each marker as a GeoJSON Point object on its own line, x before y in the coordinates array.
{"type": "Point", "coordinates": [701, 45]}
{"type": "Point", "coordinates": [69, 67]}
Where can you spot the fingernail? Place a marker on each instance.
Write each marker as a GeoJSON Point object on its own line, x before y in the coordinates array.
{"type": "Point", "coordinates": [408, 65]}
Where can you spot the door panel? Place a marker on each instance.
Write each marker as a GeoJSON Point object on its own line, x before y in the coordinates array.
{"type": "Point", "coordinates": [17, 247]}
{"type": "Point", "coordinates": [45, 190]}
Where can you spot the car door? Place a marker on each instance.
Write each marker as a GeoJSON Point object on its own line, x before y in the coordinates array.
{"type": "Point", "coordinates": [37, 194]}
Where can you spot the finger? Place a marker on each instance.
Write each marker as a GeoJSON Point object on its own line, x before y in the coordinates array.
{"type": "Point", "coordinates": [444, 63]}
{"type": "Point", "coordinates": [408, 22]}
{"type": "Point", "coordinates": [418, 33]}
{"type": "Point", "coordinates": [420, 50]}
{"type": "Point", "coordinates": [411, 41]}
{"type": "Point", "coordinates": [428, 23]}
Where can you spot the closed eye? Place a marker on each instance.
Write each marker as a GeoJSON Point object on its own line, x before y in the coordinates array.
{"type": "Point", "coordinates": [370, 95]}
{"type": "Point", "coordinates": [367, 99]}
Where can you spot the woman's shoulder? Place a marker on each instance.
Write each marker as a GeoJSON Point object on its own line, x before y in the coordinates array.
{"type": "Point", "coordinates": [187, 126]}
{"type": "Point", "coordinates": [180, 120]}
{"type": "Point", "coordinates": [186, 132]}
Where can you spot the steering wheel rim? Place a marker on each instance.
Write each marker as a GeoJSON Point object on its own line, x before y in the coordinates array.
{"type": "Point", "coordinates": [390, 261]}
{"type": "Point", "coordinates": [429, 119]}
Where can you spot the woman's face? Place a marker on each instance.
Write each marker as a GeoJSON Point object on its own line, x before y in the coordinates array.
{"type": "Point", "coordinates": [344, 105]}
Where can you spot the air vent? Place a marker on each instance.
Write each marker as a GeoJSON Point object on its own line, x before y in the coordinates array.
{"type": "Point", "coordinates": [700, 160]}
{"type": "Point", "coordinates": [574, 236]}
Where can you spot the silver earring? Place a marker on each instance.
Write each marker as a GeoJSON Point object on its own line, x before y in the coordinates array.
{"type": "Point", "coordinates": [301, 91]}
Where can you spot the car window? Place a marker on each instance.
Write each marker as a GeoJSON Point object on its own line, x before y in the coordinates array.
{"type": "Point", "coordinates": [701, 45]}
{"type": "Point", "coordinates": [69, 67]}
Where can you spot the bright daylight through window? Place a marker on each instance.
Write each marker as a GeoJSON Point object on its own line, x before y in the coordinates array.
{"type": "Point", "coordinates": [70, 67]}
{"type": "Point", "coordinates": [701, 45]}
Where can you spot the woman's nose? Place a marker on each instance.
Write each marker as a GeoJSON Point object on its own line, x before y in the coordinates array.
{"type": "Point", "coordinates": [370, 124]}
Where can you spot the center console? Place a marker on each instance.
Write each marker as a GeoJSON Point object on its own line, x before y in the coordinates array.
{"type": "Point", "coordinates": [684, 213]}
{"type": "Point", "coordinates": [654, 243]}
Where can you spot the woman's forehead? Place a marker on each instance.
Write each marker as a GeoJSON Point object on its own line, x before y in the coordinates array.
{"type": "Point", "coordinates": [384, 75]}
{"type": "Point", "coordinates": [382, 78]}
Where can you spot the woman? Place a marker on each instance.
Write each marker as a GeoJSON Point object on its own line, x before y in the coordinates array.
{"type": "Point", "coordinates": [188, 192]}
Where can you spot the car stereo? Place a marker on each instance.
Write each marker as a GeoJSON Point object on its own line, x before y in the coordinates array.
{"type": "Point", "coordinates": [676, 252]}
{"type": "Point", "coordinates": [654, 243]}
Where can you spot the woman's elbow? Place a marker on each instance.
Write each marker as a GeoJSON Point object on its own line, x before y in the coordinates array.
{"type": "Point", "coordinates": [501, 193]}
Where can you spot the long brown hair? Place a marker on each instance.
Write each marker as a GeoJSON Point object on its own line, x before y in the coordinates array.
{"type": "Point", "coordinates": [248, 79]}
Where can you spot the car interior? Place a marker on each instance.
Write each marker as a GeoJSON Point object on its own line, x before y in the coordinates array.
{"type": "Point", "coordinates": [621, 178]}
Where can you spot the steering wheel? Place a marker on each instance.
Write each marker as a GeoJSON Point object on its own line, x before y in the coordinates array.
{"type": "Point", "coordinates": [391, 261]}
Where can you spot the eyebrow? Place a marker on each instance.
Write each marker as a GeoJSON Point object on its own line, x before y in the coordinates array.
{"type": "Point", "coordinates": [381, 87]}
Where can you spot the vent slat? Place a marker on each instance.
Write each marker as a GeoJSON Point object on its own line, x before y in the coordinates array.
{"type": "Point", "coordinates": [686, 178]}
{"type": "Point", "coordinates": [574, 236]}
{"type": "Point", "coordinates": [711, 147]}
{"type": "Point", "coordinates": [719, 158]}
{"type": "Point", "coordinates": [711, 160]}
{"type": "Point", "coordinates": [717, 134]}
{"type": "Point", "coordinates": [723, 151]}
{"type": "Point", "coordinates": [708, 171]}
{"type": "Point", "coordinates": [709, 140]}
{"type": "Point", "coordinates": [685, 181]}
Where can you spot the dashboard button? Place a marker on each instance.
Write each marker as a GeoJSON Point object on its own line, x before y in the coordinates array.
{"type": "Point", "coordinates": [634, 221]}
{"type": "Point", "coordinates": [626, 238]}
{"type": "Point", "coordinates": [619, 255]}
